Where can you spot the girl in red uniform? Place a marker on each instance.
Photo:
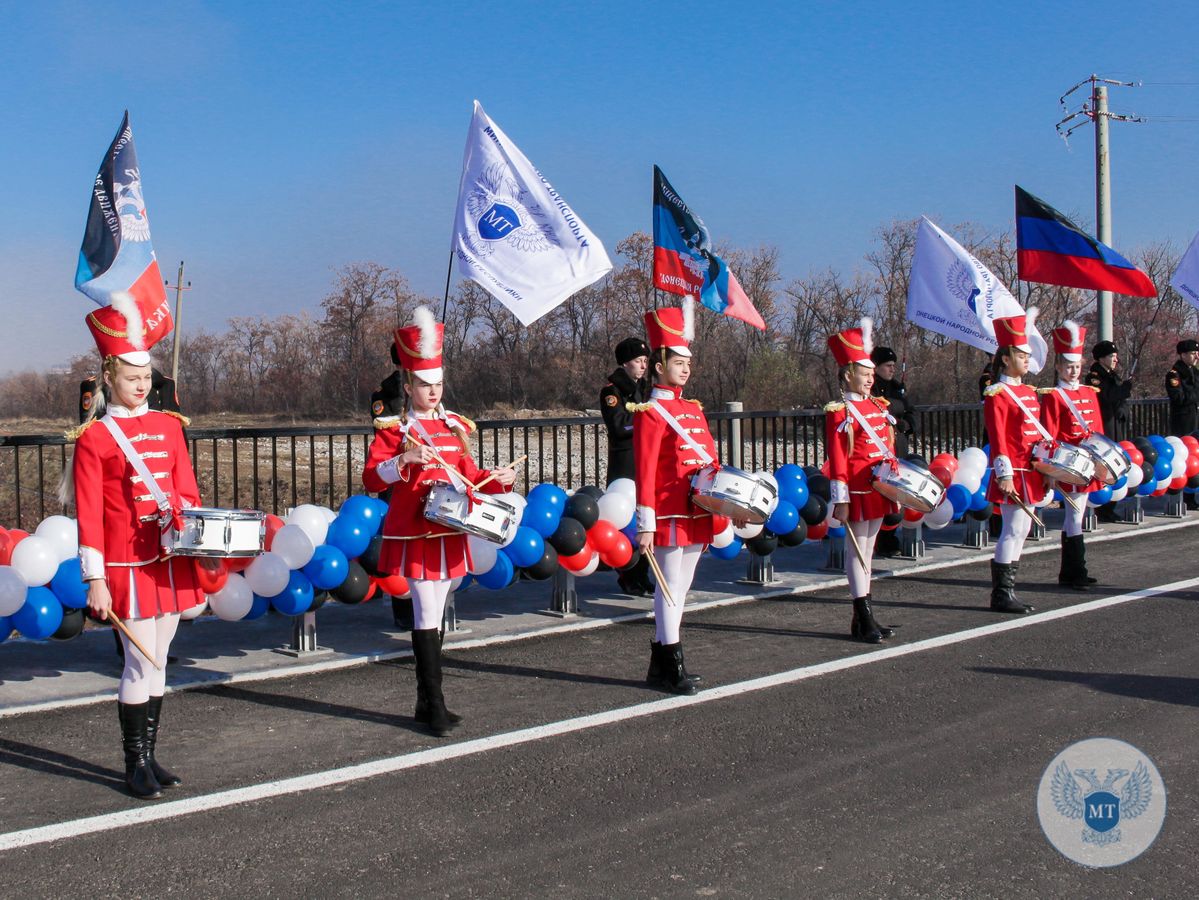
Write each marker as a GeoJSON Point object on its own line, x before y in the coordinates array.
{"type": "Point", "coordinates": [853, 453]}
{"type": "Point", "coordinates": [404, 457]}
{"type": "Point", "coordinates": [669, 525]}
{"type": "Point", "coordinates": [1010, 409]}
{"type": "Point", "coordinates": [122, 524]}
{"type": "Point", "coordinates": [1070, 413]}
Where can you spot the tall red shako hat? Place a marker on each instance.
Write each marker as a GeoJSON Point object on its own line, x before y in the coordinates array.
{"type": "Point", "coordinates": [853, 345]}
{"type": "Point", "coordinates": [130, 327]}
{"type": "Point", "coordinates": [1013, 331]}
{"type": "Point", "coordinates": [671, 327]}
{"type": "Point", "coordinates": [419, 347]}
{"type": "Point", "coordinates": [1069, 340]}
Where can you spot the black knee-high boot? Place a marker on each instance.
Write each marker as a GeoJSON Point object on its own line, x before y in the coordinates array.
{"type": "Point", "coordinates": [672, 671]}
{"type": "Point", "coordinates": [139, 777]}
{"type": "Point", "coordinates": [164, 776]}
{"type": "Point", "coordinates": [426, 647]}
{"type": "Point", "coordinates": [422, 713]}
{"type": "Point", "coordinates": [1073, 572]}
{"type": "Point", "coordinates": [657, 673]}
{"type": "Point", "coordinates": [1003, 589]}
{"type": "Point", "coordinates": [860, 627]}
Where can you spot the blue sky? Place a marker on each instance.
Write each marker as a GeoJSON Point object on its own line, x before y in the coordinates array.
{"type": "Point", "coordinates": [281, 141]}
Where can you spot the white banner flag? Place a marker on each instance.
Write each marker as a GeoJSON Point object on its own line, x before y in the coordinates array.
{"type": "Point", "coordinates": [513, 233]}
{"type": "Point", "coordinates": [1186, 278]}
{"type": "Point", "coordinates": [952, 293]}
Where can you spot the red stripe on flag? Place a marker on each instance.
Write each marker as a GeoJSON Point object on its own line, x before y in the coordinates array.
{"type": "Point", "coordinates": [1089, 274]}
{"type": "Point", "coordinates": [671, 275]}
{"type": "Point", "coordinates": [740, 306]}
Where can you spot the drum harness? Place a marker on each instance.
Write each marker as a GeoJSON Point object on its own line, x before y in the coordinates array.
{"type": "Point", "coordinates": [1087, 431]}
{"type": "Point", "coordinates": [1049, 439]}
{"type": "Point", "coordinates": [456, 479]}
{"type": "Point", "coordinates": [704, 456]}
{"type": "Point", "coordinates": [888, 455]}
{"type": "Point", "coordinates": [168, 517]}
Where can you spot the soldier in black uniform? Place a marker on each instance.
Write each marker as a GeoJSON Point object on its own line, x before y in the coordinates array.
{"type": "Point", "coordinates": [888, 386]}
{"type": "Point", "coordinates": [628, 383]}
{"type": "Point", "coordinates": [162, 397]}
{"type": "Point", "coordinates": [390, 400]}
{"type": "Point", "coordinates": [1182, 389]}
{"type": "Point", "coordinates": [1113, 390]}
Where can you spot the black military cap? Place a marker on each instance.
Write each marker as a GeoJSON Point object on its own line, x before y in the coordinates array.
{"type": "Point", "coordinates": [1104, 348]}
{"type": "Point", "coordinates": [1190, 345]}
{"type": "Point", "coordinates": [880, 355]}
{"type": "Point", "coordinates": [630, 349]}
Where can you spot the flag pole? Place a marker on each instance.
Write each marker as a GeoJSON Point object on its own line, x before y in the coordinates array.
{"type": "Point", "coordinates": [179, 289]}
{"type": "Point", "coordinates": [445, 301]}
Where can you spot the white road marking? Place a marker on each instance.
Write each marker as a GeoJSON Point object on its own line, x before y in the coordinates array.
{"type": "Point", "coordinates": [345, 774]}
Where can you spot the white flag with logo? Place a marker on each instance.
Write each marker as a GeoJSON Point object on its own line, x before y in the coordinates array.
{"type": "Point", "coordinates": [514, 234]}
{"type": "Point", "coordinates": [1186, 278]}
{"type": "Point", "coordinates": [952, 293]}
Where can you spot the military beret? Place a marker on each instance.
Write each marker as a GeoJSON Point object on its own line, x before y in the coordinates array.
{"type": "Point", "coordinates": [629, 349]}
{"type": "Point", "coordinates": [1104, 348]}
{"type": "Point", "coordinates": [880, 355]}
{"type": "Point", "coordinates": [1190, 345]}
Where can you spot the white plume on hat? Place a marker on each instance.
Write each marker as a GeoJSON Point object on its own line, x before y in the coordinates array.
{"type": "Point", "coordinates": [135, 329]}
{"type": "Point", "coordinates": [1030, 319]}
{"type": "Point", "coordinates": [867, 326]}
{"type": "Point", "coordinates": [688, 317]}
{"type": "Point", "coordinates": [428, 331]}
{"type": "Point", "coordinates": [1072, 329]}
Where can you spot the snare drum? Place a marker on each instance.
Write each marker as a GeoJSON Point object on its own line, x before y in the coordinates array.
{"type": "Point", "coordinates": [1067, 464]}
{"type": "Point", "coordinates": [733, 493]}
{"type": "Point", "coordinates": [1111, 462]}
{"type": "Point", "coordinates": [487, 518]}
{"type": "Point", "coordinates": [908, 485]}
{"type": "Point", "coordinates": [220, 532]}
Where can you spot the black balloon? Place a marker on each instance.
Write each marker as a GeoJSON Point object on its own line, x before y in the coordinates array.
{"type": "Point", "coordinates": [591, 491]}
{"type": "Point", "coordinates": [917, 460]}
{"type": "Point", "coordinates": [72, 625]}
{"type": "Point", "coordinates": [1193, 482]}
{"type": "Point", "coordinates": [815, 510]}
{"type": "Point", "coordinates": [318, 600]}
{"type": "Point", "coordinates": [1147, 469]}
{"type": "Point", "coordinates": [356, 586]}
{"type": "Point", "coordinates": [895, 518]}
{"type": "Point", "coordinates": [370, 559]}
{"type": "Point", "coordinates": [764, 544]}
{"type": "Point", "coordinates": [544, 567]}
{"type": "Point", "coordinates": [982, 515]}
{"type": "Point", "coordinates": [819, 486]}
{"type": "Point", "coordinates": [795, 537]}
{"type": "Point", "coordinates": [570, 536]}
{"type": "Point", "coordinates": [582, 507]}
{"type": "Point", "coordinates": [809, 471]}
{"type": "Point", "coordinates": [636, 557]}
{"type": "Point", "coordinates": [1147, 449]}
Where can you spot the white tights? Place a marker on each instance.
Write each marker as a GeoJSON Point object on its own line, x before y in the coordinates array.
{"type": "Point", "coordinates": [1072, 526]}
{"type": "Point", "coordinates": [141, 680]}
{"type": "Point", "coordinates": [859, 578]}
{"type": "Point", "coordinates": [428, 601]}
{"type": "Point", "coordinates": [678, 565]}
{"type": "Point", "coordinates": [1016, 523]}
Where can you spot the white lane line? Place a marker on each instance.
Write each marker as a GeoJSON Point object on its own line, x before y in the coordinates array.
{"type": "Point", "coordinates": [832, 581]}
{"type": "Point", "coordinates": [389, 765]}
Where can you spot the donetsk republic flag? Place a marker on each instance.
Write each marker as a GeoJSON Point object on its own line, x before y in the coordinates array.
{"type": "Point", "coordinates": [1050, 249]}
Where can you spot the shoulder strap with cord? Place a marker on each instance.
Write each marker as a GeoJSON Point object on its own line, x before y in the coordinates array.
{"type": "Point", "coordinates": [670, 420]}
{"type": "Point", "coordinates": [1082, 423]}
{"type": "Point", "coordinates": [1027, 414]}
{"type": "Point", "coordinates": [167, 516]}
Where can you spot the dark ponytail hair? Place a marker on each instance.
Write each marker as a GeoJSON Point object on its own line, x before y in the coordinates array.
{"type": "Point", "coordinates": [997, 365]}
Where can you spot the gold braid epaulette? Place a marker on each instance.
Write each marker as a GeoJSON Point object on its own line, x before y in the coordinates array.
{"type": "Point", "coordinates": [638, 407]}
{"type": "Point", "coordinates": [471, 427]}
{"type": "Point", "coordinates": [1045, 390]}
{"type": "Point", "coordinates": [834, 406]}
{"type": "Point", "coordinates": [697, 403]}
{"type": "Point", "coordinates": [73, 434]}
{"type": "Point", "coordinates": [882, 401]}
{"type": "Point", "coordinates": [386, 422]}
{"type": "Point", "coordinates": [184, 420]}
{"type": "Point", "coordinates": [993, 390]}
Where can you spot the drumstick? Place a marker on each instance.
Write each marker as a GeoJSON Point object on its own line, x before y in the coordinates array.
{"type": "Point", "coordinates": [441, 459]}
{"type": "Point", "coordinates": [853, 539]}
{"type": "Point", "coordinates": [1024, 506]}
{"type": "Point", "coordinates": [653, 564]}
{"type": "Point", "coordinates": [1069, 498]}
{"type": "Point", "coordinates": [515, 462]}
{"type": "Point", "coordinates": [120, 626]}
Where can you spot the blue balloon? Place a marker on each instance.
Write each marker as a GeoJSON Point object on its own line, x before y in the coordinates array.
{"type": "Point", "coordinates": [68, 586]}
{"type": "Point", "coordinates": [1163, 447]}
{"type": "Point", "coordinates": [1057, 496]}
{"type": "Point", "coordinates": [381, 507]}
{"type": "Point", "coordinates": [959, 498]}
{"type": "Point", "coordinates": [1163, 468]}
{"type": "Point", "coordinates": [1147, 487]}
{"type": "Point", "coordinates": [630, 530]}
{"type": "Point", "coordinates": [258, 608]}
{"type": "Point", "coordinates": [6, 628]}
{"type": "Point", "coordinates": [527, 549]}
{"type": "Point", "coordinates": [1101, 496]}
{"type": "Point", "coordinates": [296, 597]}
{"type": "Point", "coordinates": [1121, 482]}
{"type": "Point", "coordinates": [40, 616]}
{"type": "Point", "coordinates": [550, 495]}
{"type": "Point", "coordinates": [465, 583]}
{"type": "Point", "coordinates": [350, 535]}
{"type": "Point", "coordinates": [979, 501]}
{"type": "Point", "coordinates": [797, 494]}
{"type": "Point", "coordinates": [500, 575]}
{"type": "Point", "coordinates": [986, 479]}
{"type": "Point", "coordinates": [327, 569]}
{"type": "Point", "coordinates": [541, 518]}
{"type": "Point", "coordinates": [793, 484]}
{"type": "Point", "coordinates": [784, 519]}
{"type": "Point", "coordinates": [364, 507]}
{"type": "Point", "coordinates": [837, 532]}
{"type": "Point", "coordinates": [987, 451]}
{"type": "Point", "coordinates": [729, 550]}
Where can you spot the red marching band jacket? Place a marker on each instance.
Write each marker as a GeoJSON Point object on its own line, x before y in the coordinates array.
{"type": "Point", "coordinates": [665, 465]}
{"type": "Point", "coordinates": [1062, 424]}
{"type": "Point", "coordinates": [120, 537]}
{"type": "Point", "coordinates": [1013, 437]}
{"type": "Point", "coordinates": [852, 455]}
{"type": "Point", "coordinates": [413, 546]}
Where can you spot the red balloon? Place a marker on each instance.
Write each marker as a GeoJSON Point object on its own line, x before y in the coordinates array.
{"type": "Point", "coordinates": [940, 471]}
{"type": "Point", "coordinates": [602, 536]}
{"type": "Point", "coordinates": [1192, 468]}
{"type": "Point", "coordinates": [211, 574]}
{"type": "Point", "coordinates": [1191, 441]}
{"type": "Point", "coordinates": [719, 524]}
{"type": "Point", "coordinates": [273, 524]}
{"type": "Point", "coordinates": [619, 554]}
{"type": "Point", "coordinates": [886, 527]}
{"type": "Point", "coordinates": [1135, 455]}
{"type": "Point", "coordinates": [1178, 483]}
{"type": "Point", "coordinates": [374, 589]}
{"type": "Point", "coordinates": [818, 531]}
{"type": "Point", "coordinates": [946, 459]}
{"type": "Point", "coordinates": [577, 561]}
{"type": "Point", "coordinates": [239, 563]}
{"type": "Point", "coordinates": [395, 585]}
{"type": "Point", "coordinates": [912, 515]}
{"type": "Point", "coordinates": [9, 542]}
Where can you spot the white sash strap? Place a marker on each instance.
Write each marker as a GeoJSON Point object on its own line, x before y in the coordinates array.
{"type": "Point", "coordinates": [455, 478]}
{"type": "Point", "coordinates": [695, 448]}
{"type": "Point", "coordinates": [1082, 423]}
{"type": "Point", "coordinates": [166, 514]}
{"type": "Point", "coordinates": [869, 429]}
{"type": "Point", "coordinates": [1027, 413]}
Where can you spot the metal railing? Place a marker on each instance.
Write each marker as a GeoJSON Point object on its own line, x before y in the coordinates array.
{"type": "Point", "coordinates": [274, 469]}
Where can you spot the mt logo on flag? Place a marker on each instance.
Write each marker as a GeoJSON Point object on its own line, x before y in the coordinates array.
{"type": "Point", "coordinates": [1050, 249]}
{"type": "Point", "coordinates": [684, 262]}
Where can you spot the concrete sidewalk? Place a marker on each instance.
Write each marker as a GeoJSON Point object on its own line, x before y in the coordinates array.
{"type": "Point", "coordinates": [45, 675]}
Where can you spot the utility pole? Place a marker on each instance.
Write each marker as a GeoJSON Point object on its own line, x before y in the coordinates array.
{"type": "Point", "coordinates": [179, 287]}
{"type": "Point", "coordinates": [1095, 110]}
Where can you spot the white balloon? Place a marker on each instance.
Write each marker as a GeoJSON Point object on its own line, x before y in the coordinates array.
{"type": "Point", "coordinates": [616, 508]}
{"type": "Point", "coordinates": [1119, 494]}
{"type": "Point", "coordinates": [939, 516]}
{"type": "Point", "coordinates": [1180, 448]}
{"type": "Point", "coordinates": [725, 537]}
{"type": "Point", "coordinates": [1044, 501]}
{"type": "Point", "coordinates": [1178, 465]}
{"type": "Point", "coordinates": [749, 532]}
{"type": "Point", "coordinates": [590, 568]}
{"type": "Point", "coordinates": [313, 522]}
{"type": "Point", "coordinates": [482, 554]}
{"type": "Point", "coordinates": [455, 583]}
{"type": "Point", "coordinates": [972, 457]}
{"type": "Point", "coordinates": [293, 545]}
{"type": "Point", "coordinates": [233, 601]}
{"type": "Point", "coordinates": [969, 477]}
{"type": "Point", "coordinates": [63, 533]}
{"type": "Point", "coordinates": [329, 514]}
{"type": "Point", "coordinates": [13, 588]}
{"type": "Point", "coordinates": [626, 486]}
{"type": "Point", "coordinates": [517, 503]}
{"type": "Point", "coordinates": [195, 612]}
{"type": "Point", "coordinates": [1135, 476]}
{"type": "Point", "coordinates": [267, 575]}
{"type": "Point", "coordinates": [36, 558]}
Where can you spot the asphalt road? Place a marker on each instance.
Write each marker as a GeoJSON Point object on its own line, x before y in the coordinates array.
{"type": "Point", "coordinates": [913, 776]}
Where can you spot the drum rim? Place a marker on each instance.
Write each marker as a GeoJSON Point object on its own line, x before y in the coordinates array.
{"type": "Point", "coordinates": [198, 512]}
